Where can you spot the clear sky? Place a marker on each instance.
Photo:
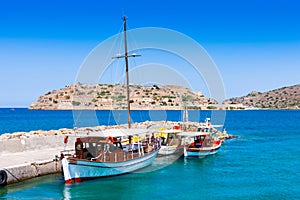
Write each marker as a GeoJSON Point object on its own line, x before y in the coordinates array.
{"type": "Point", "coordinates": [255, 44]}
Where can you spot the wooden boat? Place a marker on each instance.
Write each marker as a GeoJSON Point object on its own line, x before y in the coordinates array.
{"type": "Point", "coordinates": [108, 153]}
{"type": "Point", "coordinates": [200, 144]}
{"type": "Point", "coordinates": [170, 142]}
{"type": "Point", "coordinates": [211, 128]}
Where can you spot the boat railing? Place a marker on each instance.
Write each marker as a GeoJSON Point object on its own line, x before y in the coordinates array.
{"type": "Point", "coordinates": [67, 153]}
{"type": "Point", "coordinates": [125, 154]}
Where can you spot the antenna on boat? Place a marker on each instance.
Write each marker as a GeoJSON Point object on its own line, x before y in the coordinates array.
{"type": "Point", "coordinates": [126, 56]}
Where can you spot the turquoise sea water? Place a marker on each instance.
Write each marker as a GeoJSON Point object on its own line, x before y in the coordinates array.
{"type": "Point", "coordinates": [263, 163]}
{"type": "Point", "coordinates": [22, 119]}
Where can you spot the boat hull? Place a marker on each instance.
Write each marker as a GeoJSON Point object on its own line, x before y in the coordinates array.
{"type": "Point", "coordinates": [170, 150]}
{"type": "Point", "coordinates": [80, 170]}
{"type": "Point", "coordinates": [201, 152]}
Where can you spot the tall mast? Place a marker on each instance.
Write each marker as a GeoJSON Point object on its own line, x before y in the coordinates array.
{"type": "Point", "coordinates": [126, 56]}
{"type": "Point", "coordinates": [127, 75]}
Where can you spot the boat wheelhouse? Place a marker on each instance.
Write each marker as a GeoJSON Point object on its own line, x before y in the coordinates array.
{"type": "Point", "coordinates": [170, 142]}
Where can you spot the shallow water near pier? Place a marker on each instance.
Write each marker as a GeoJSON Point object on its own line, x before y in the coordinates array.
{"type": "Point", "coordinates": [262, 163]}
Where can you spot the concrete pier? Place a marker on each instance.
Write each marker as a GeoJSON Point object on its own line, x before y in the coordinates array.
{"type": "Point", "coordinates": [26, 171]}
{"type": "Point", "coordinates": [28, 157]}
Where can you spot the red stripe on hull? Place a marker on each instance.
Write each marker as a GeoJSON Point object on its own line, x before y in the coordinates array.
{"type": "Point", "coordinates": [75, 180]}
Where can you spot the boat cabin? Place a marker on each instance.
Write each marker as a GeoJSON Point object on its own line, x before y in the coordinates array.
{"type": "Point", "coordinates": [170, 137]}
{"type": "Point", "coordinates": [90, 147]}
{"type": "Point", "coordinates": [113, 149]}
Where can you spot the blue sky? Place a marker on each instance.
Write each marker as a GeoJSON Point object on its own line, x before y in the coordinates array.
{"type": "Point", "coordinates": [255, 44]}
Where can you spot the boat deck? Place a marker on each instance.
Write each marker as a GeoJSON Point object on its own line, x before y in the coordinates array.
{"type": "Point", "coordinates": [116, 155]}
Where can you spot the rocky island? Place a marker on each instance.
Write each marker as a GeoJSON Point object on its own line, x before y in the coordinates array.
{"type": "Point", "coordinates": [112, 97]}
{"type": "Point", "coordinates": [281, 98]}
{"type": "Point", "coordinates": [160, 97]}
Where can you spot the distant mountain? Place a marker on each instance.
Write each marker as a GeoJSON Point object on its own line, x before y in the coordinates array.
{"type": "Point", "coordinates": [113, 97]}
{"type": "Point", "coordinates": [282, 98]}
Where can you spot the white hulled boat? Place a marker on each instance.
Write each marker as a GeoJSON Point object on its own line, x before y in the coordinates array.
{"type": "Point", "coordinates": [200, 144]}
{"type": "Point", "coordinates": [170, 142]}
{"type": "Point", "coordinates": [110, 152]}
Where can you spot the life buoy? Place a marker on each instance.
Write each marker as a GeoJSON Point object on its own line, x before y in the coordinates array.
{"type": "Point", "coordinates": [109, 140]}
{"type": "Point", "coordinates": [3, 178]}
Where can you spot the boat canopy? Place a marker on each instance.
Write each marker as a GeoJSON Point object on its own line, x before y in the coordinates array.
{"type": "Point", "coordinates": [124, 132]}
{"type": "Point", "coordinates": [193, 134]}
{"type": "Point", "coordinates": [170, 131]}
{"type": "Point", "coordinates": [206, 126]}
{"type": "Point", "coordinates": [117, 133]}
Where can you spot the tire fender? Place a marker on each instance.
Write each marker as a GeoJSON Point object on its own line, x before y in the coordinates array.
{"type": "Point", "coordinates": [3, 178]}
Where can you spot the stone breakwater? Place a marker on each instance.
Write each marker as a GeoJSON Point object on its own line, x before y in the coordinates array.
{"type": "Point", "coordinates": [191, 126]}
{"type": "Point", "coordinates": [20, 135]}
{"type": "Point", "coordinates": [39, 140]}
